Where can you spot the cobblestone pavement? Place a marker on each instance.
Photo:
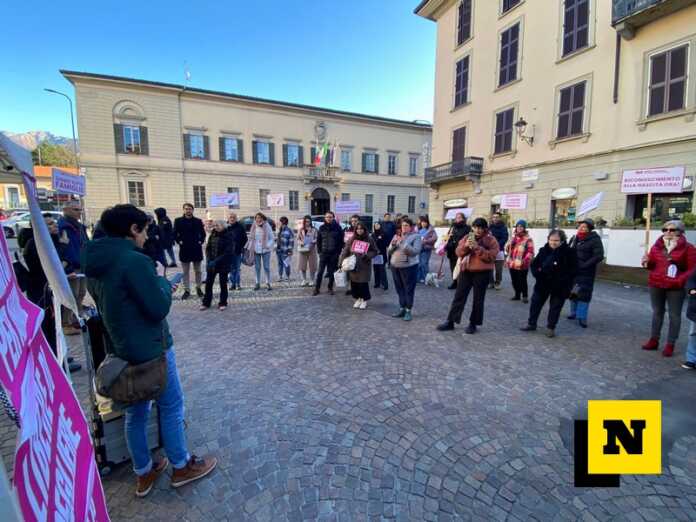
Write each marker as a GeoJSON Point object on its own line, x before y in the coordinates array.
{"type": "Point", "coordinates": [319, 411]}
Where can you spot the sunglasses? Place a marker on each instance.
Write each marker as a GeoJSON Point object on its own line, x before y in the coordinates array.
{"type": "Point", "coordinates": [669, 230]}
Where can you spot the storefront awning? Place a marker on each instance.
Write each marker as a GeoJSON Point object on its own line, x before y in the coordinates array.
{"type": "Point", "coordinates": [564, 193]}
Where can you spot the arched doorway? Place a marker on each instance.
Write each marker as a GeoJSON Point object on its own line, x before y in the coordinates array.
{"type": "Point", "coordinates": [321, 201]}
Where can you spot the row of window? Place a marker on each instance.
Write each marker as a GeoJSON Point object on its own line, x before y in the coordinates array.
{"type": "Point", "coordinates": [133, 140]}
{"type": "Point", "coordinates": [667, 75]}
{"type": "Point", "coordinates": [136, 196]}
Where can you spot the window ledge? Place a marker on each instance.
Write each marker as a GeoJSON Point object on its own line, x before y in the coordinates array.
{"type": "Point", "coordinates": [578, 137]}
{"type": "Point", "coordinates": [229, 161]}
{"type": "Point", "coordinates": [508, 84]}
{"type": "Point", "coordinates": [510, 155]}
{"type": "Point", "coordinates": [123, 153]}
{"type": "Point", "coordinates": [460, 107]}
{"type": "Point", "coordinates": [502, 15]}
{"type": "Point", "coordinates": [575, 53]}
{"type": "Point", "coordinates": [688, 115]}
{"type": "Point", "coordinates": [459, 46]}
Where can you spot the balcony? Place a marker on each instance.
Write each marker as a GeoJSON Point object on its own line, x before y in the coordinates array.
{"type": "Point", "coordinates": [469, 168]}
{"type": "Point", "coordinates": [629, 15]}
{"type": "Point", "coordinates": [321, 174]}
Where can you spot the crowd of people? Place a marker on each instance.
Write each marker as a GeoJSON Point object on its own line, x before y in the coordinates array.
{"type": "Point", "coordinates": [119, 266]}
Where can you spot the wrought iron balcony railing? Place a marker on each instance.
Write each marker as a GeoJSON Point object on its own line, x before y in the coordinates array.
{"type": "Point", "coordinates": [641, 12]}
{"type": "Point", "coordinates": [471, 166]}
{"type": "Point", "coordinates": [321, 173]}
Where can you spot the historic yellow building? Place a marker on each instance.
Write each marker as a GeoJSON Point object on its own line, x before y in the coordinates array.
{"type": "Point", "coordinates": [556, 99]}
{"type": "Point", "coordinates": [156, 144]}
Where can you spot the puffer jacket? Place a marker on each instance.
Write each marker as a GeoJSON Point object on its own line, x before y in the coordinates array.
{"type": "Point", "coordinates": [683, 256]}
{"type": "Point", "coordinates": [330, 239]}
{"type": "Point", "coordinates": [520, 250]}
{"type": "Point", "coordinates": [405, 252]}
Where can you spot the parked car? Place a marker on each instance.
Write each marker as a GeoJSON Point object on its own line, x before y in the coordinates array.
{"type": "Point", "coordinates": [247, 221]}
{"type": "Point", "coordinates": [318, 220]}
{"type": "Point", "coordinates": [13, 225]}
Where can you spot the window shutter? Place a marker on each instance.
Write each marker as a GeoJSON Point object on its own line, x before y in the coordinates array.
{"type": "Point", "coordinates": [187, 146]}
{"type": "Point", "coordinates": [221, 146]}
{"type": "Point", "coordinates": [206, 148]}
{"type": "Point", "coordinates": [285, 155]}
{"type": "Point", "coordinates": [271, 153]}
{"type": "Point", "coordinates": [364, 162]}
{"type": "Point", "coordinates": [240, 151]}
{"type": "Point", "coordinates": [254, 156]}
{"type": "Point", "coordinates": [313, 154]}
{"type": "Point", "coordinates": [376, 163]}
{"type": "Point", "coordinates": [300, 155]}
{"type": "Point", "coordinates": [144, 142]}
{"type": "Point", "coordinates": [118, 138]}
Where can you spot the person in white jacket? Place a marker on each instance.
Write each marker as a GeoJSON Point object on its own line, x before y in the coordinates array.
{"type": "Point", "coordinates": [261, 243]}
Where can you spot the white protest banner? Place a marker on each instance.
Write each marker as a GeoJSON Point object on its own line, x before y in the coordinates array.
{"type": "Point", "coordinates": [653, 181]}
{"type": "Point", "coordinates": [224, 199]}
{"type": "Point", "coordinates": [67, 183]}
{"type": "Point", "coordinates": [348, 207]}
{"type": "Point", "coordinates": [275, 200]}
{"type": "Point", "coordinates": [513, 201]}
{"type": "Point", "coordinates": [591, 203]}
{"type": "Point", "coordinates": [55, 473]}
{"type": "Point", "coordinates": [452, 212]}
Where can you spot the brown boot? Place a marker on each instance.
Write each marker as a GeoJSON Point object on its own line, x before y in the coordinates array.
{"type": "Point", "coordinates": [195, 469]}
{"type": "Point", "coordinates": [145, 482]}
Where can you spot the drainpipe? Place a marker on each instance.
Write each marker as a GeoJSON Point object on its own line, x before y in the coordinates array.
{"type": "Point", "coordinates": [617, 64]}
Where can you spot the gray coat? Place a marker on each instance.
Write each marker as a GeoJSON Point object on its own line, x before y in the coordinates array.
{"type": "Point", "coordinates": [406, 252]}
{"type": "Point", "coordinates": [363, 267]}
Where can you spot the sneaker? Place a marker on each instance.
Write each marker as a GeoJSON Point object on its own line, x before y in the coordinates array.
{"type": "Point", "coordinates": [668, 350]}
{"type": "Point", "coordinates": [222, 307]}
{"type": "Point", "coordinates": [363, 305]}
{"type": "Point", "coordinates": [203, 307]}
{"type": "Point", "coordinates": [407, 315]}
{"type": "Point", "coordinates": [550, 332]}
{"type": "Point", "coordinates": [195, 469]}
{"type": "Point", "coordinates": [185, 295]}
{"type": "Point", "coordinates": [302, 283]}
{"type": "Point", "coordinates": [515, 298]}
{"type": "Point", "coordinates": [582, 323]}
{"type": "Point", "coordinates": [145, 482]}
{"type": "Point", "coordinates": [257, 287]}
{"type": "Point", "coordinates": [525, 300]}
{"type": "Point", "coordinates": [400, 313]}
{"type": "Point", "coordinates": [471, 329]}
{"type": "Point", "coordinates": [497, 286]}
{"type": "Point", "coordinates": [651, 344]}
{"type": "Point", "coordinates": [268, 287]}
{"type": "Point", "coordinates": [357, 303]}
{"type": "Point", "coordinates": [199, 292]}
{"type": "Point", "coordinates": [453, 286]}
{"type": "Point", "coordinates": [689, 365]}
{"type": "Point", "coordinates": [316, 292]}
{"type": "Point", "coordinates": [446, 326]}
{"type": "Point", "coordinates": [528, 328]}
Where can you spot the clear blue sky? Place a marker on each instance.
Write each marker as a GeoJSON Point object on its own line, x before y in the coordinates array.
{"type": "Point", "coordinates": [369, 56]}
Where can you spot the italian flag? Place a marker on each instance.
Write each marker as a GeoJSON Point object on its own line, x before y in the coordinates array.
{"type": "Point", "coordinates": [321, 152]}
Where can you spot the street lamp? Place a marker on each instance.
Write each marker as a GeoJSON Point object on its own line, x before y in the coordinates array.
{"type": "Point", "coordinates": [521, 127]}
{"type": "Point", "coordinates": [72, 123]}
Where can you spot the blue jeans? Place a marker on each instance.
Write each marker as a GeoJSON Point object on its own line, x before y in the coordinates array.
{"type": "Point", "coordinates": [405, 283]}
{"type": "Point", "coordinates": [579, 309]}
{"type": "Point", "coordinates": [171, 416]}
{"type": "Point", "coordinates": [424, 265]}
{"type": "Point", "coordinates": [282, 269]}
{"type": "Point", "coordinates": [266, 259]}
{"type": "Point", "coordinates": [691, 347]}
{"type": "Point", "coordinates": [236, 270]}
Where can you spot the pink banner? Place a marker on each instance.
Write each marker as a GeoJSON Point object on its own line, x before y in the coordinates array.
{"type": "Point", "coordinates": [55, 473]}
{"type": "Point", "coordinates": [359, 247]}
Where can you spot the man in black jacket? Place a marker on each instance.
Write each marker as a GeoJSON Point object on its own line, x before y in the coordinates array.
{"type": "Point", "coordinates": [237, 235]}
{"type": "Point", "coordinates": [329, 246]}
{"type": "Point", "coordinates": [189, 234]}
{"type": "Point", "coordinates": [499, 231]}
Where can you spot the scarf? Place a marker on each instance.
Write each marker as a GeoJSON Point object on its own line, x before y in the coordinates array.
{"type": "Point", "coordinates": [582, 235]}
{"type": "Point", "coordinates": [670, 244]}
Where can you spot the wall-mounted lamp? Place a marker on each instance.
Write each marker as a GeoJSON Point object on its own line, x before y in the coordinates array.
{"type": "Point", "coordinates": [521, 127]}
{"type": "Point", "coordinates": [307, 195]}
{"type": "Point", "coordinates": [336, 196]}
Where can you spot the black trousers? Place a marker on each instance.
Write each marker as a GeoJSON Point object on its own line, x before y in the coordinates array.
{"type": "Point", "coordinates": [329, 263]}
{"type": "Point", "coordinates": [466, 281]}
{"type": "Point", "coordinates": [556, 303]}
{"type": "Point", "coordinates": [209, 280]}
{"type": "Point", "coordinates": [519, 282]}
{"type": "Point", "coordinates": [381, 276]}
{"type": "Point", "coordinates": [453, 262]}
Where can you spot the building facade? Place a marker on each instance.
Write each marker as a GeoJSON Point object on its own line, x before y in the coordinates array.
{"type": "Point", "coordinates": [160, 145]}
{"type": "Point", "coordinates": [557, 101]}
{"type": "Point", "coordinates": [12, 195]}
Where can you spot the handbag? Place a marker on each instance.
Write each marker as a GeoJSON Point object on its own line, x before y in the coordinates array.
{"type": "Point", "coordinates": [127, 384]}
{"type": "Point", "coordinates": [340, 279]}
{"type": "Point", "coordinates": [349, 263]}
{"type": "Point", "coordinates": [457, 269]}
{"type": "Point", "coordinates": [249, 257]}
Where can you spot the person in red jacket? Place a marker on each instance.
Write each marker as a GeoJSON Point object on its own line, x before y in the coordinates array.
{"type": "Point", "coordinates": [671, 261]}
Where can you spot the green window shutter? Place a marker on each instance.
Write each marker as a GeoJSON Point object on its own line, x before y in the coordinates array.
{"type": "Point", "coordinates": [221, 146]}
{"type": "Point", "coordinates": [254, 155]}
{"type": "Point", "coordinates": [187, 146]}
{"type": "Point", "coordinates": [313, 154]}
{"type": "Point", "coordinates": [271, 153]}
{"type": "Point", "coordinates": [364, 162]}
{"type": "Point", "coordinates": [144, 142]}
{"type": "Point", "coordinates": [118, 138]}
{"type": "Point", "coordinates": [300, 155]}
{"type": "Point", "coordinates": [285, 155]}
{"type": "Point", "coordinates": [376, 163]}
{"type": "Point", "coordinates": [240, 151]}
{"type": "Point", "coordinates": [206, 148]}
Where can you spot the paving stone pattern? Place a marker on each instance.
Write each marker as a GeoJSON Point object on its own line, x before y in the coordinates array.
{"type": "Point", "coordinates": [317, 411]}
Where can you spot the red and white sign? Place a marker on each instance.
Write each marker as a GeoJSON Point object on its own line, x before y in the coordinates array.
{"type": "Point", "coordinates": [359, 247]}
{"type": "Point", "coordinates": [55, 473]}
{"type": "Point", "coordinates": [513, 201]}
{"type": "Point", "coordinates": [275, 200]}
{"type": "Point", "coordinates": [655, 181]}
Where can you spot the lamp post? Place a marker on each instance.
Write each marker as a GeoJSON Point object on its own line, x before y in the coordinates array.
{"type": "Point", "coordinates": [72, 123]}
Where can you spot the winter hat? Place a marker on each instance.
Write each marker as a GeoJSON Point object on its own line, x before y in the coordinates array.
{"type": "Point", "coordinates": [521, 222]}
{"type": "Point", "coordinates": [587, 221]}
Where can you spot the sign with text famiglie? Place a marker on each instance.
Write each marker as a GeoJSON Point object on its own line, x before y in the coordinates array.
{"type": "Point", "coordinates": [659, 180]}
{"type": "Point", "coordinates": [67, 183]}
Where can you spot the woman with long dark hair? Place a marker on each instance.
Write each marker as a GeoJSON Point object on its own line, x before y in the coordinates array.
{"type": "Point", "coordinates": [363, 247]}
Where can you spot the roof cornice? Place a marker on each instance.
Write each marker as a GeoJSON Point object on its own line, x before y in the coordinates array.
{"type": "Point", "coordinates": [431, 9]}
{"type": "Point", "coordinates": [73, 76]}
